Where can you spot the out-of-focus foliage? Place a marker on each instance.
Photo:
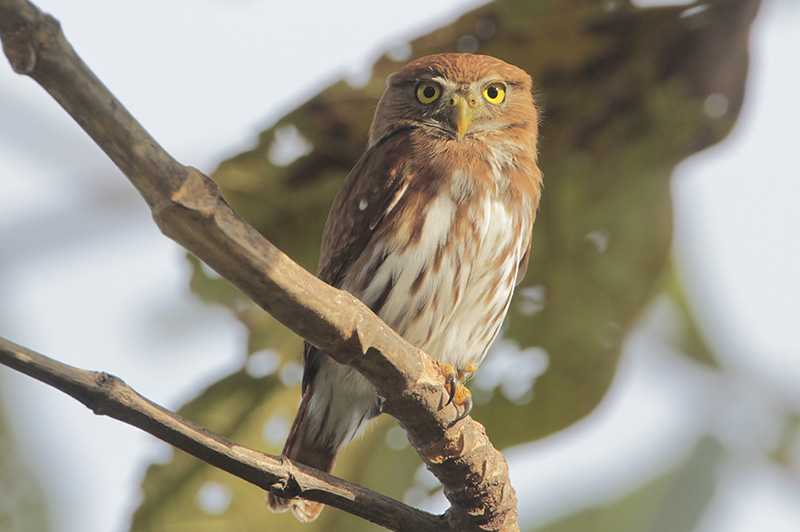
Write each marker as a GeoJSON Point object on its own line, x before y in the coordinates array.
{"type": "Point", "coordinates": [673, 503]}
{"type": "Point", "coordinates": [22, 504]}
{"type": "Point", "coordinates": [626, 94]}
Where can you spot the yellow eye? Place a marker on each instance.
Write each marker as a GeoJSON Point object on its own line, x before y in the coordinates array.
{"type": "Point", "coordinates": [428, 92]}
{"type": "Point", "coordinates": [495, 92]}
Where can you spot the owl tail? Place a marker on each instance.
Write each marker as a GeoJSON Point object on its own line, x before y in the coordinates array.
{"type": "Point", "coordinates": [297, 449]}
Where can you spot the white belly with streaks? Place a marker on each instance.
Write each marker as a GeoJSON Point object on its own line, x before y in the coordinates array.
{"type": "Point", "coordinates": [454, 315]}
{"type": "Point", "coordinates": [456, 312]}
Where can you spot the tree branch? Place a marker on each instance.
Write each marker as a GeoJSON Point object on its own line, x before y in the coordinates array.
{"type": "Point", "coordinates": [188, 208]}
{"type": "Point", "coordinates": [107, 395]}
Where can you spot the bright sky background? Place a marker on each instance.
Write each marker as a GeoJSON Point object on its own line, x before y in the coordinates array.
{"type": "Point", "coordinates": [86, 277]}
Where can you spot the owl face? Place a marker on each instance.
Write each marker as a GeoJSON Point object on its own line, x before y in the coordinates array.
{"type": "Point", "coordinates": [456, 96]}
{"type": "Point", "coordinates": [454, 106]}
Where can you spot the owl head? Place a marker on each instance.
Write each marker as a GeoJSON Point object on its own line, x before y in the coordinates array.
{"type": "Point", "coordinates": [456, 96]}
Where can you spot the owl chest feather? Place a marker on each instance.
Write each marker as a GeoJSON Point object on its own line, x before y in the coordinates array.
{"type": "Point", "coordinates": [445, 276]}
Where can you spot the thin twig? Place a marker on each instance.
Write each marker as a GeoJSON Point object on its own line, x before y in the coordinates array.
{"type": "Point", "coordinates": [109, 396]}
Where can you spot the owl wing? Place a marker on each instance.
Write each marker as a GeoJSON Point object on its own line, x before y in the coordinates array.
{"type": "Point", "coordinates": [369, 193]}
{"type": "Point", "coordinates": [367, 197]}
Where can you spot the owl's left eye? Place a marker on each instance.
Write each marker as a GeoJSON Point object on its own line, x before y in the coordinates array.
{"type": "Point", "coordinates": [495, 92]}
{"type": "Point", "coordinates": [428, 92]}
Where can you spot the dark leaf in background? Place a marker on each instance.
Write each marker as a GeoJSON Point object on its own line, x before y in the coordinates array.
{"type": "Point", "coordinates": [627, 93]}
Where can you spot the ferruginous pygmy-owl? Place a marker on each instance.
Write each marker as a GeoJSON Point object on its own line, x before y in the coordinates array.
{"type": "Point", "coordinates": [431, 230]}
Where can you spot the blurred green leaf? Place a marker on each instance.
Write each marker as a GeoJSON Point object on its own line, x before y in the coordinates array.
{"type": "Point", "coordinates": [236, 406]}
{"type": "Point", "coordinates": [624, 93]}
{"type": "Point", "coordinates": [22, 504]}
{"type": "Point", "coordinates": [675, 502]}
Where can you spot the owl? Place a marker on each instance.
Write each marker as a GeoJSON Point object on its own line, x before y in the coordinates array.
{"type": "Point", "coordinates": [431, 230]}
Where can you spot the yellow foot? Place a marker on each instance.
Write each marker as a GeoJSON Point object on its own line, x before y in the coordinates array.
{"type": "Point", "coordinates": [459, 394]}
{"type": "Point", "coordinates": [471, 368]}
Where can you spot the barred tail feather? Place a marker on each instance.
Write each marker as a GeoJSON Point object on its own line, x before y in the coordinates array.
{"type": "Point", "coordinates": [297, 450]}
{"type": "Point", "coordinates": [337, 403]}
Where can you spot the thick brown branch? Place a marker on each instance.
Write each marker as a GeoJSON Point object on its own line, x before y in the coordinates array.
{"type": "Point", "coordinates": [188, 208]}
{"type": "Point", "coordinates": [107, 395]}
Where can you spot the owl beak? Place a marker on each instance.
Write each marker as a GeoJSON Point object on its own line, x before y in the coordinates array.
{"type": "Point", "coordinates": [461, 112]}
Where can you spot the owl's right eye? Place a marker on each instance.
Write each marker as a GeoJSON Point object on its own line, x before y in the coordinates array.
{"type": "Point", "coordinates": [428, 92]}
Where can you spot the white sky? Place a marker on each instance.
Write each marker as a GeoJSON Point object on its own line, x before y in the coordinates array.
{"type": "Point", "coordinates": [204, 79]}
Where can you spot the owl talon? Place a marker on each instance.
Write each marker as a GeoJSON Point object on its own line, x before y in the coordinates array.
{"type": "Point", "coordinates": [452, 386]}
{"type": "Point", "coordinates": [457, 392]}
{"type": "Point", "coordinates": [463, 402]}
{"type": "Point", "coordinates": [451, 378]}
{"type": "Point", "coordinates": [467, 405]}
